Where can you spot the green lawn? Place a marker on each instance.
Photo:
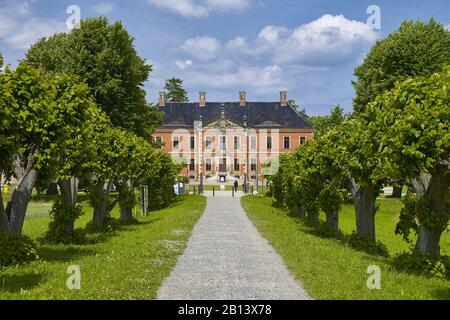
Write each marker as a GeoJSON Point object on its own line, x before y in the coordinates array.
{"type": "Point", "coordinates": [330, 270]}
{"type": "Point", "coordinates": [129, 262]}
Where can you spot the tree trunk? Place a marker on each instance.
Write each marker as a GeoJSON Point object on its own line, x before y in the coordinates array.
{"type": "Point", "coordinates": [52, 189]}
{"type": "Point", "coordinates": [429, 238]}
{"type": "Point", "coordinates": [101, 209]}
{"type": "Point", "coordinates": [333, 220]}
{"type": "Point", "coordinates": [18, 204]}
{"type": "Point", "coordinates": [364, 201]}
{"type": "Point", "coordinates": [69, 190]}
{"type": "Point", "coordinates": [126, 214]}
{"type": "Point", "coordinates": [299, 211]}
{"type": "Point", "coordinates": [313, 217]}
{"type": "Point", "coordinates": [397, 191]}
{"type": "Point", "coordinates": [3, 216]}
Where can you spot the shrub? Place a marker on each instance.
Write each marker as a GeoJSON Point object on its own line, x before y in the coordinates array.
{"type": "Point", "coordinates": [366, 245]}
{"type": "Point", "coordinates": [323, 229]}
{"type": "Point", "coordinates": [63, 214]}
{"type": "Point", "coordinates": [417, 263]}
{"type": "Point", "coordinates": [16, 249]}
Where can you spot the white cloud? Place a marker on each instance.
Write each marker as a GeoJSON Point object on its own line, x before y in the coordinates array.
{"type": "Point", "coordinates": [32, 30]}
{"type": "Point", "coordinates": [227, 5]}
{"type": "Point", "coordinates": [183, 64]}
{"type": "Point", "coordinates": [198, 9]}
{"type": "Point", "coordinates": [18, 27]}
{"type": "Point", "coordinates": [202, 48]}
{"type": "Point", "coordinates": [7, 25]}
{"type": "Point", "coordinates": [327, 40]}
{"type": "Point", "coordinates": [255, 78]}
{"type": "Point", "coordinates": [185, 8]}
{"type": "Point", "coordinates": [271, 33]}
{"type": "Point", "coordinates": [104, 8]}
{"type": "Point", "coordinates": [277, 58]}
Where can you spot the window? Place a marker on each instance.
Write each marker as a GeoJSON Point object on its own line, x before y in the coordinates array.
{"type": "Point", "coordinates": [287, 142]}
{"type": "Point", "coordinates": [208, 165]}
{"type": "Point", "coordinates": [253, 142]}
{"type": "Point", "coordinates": [176, 142]}
{"type": "Point", "coordinates": [253, 165]}
{"type": "Point", "coordinates": [158, 139]}
{"type": "Point", "coordinates": [236, 143]}
{"type": "Point", "coordinates": [192, 142]}
{"type": "Point", "coordinates": [302, 140]}
{"type": "Point", "coordinates": [208, 143]}
{"type": "Point", "coordinates": [236, 164]}
{"type": "Point", "coordinates": [192, 165]}
{"type": "Point", "coordinates": [269, 142]}
{"type": "Point", "coordinates": [223, 143]}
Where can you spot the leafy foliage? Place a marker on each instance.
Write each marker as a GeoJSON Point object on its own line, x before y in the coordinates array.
{"type": "Point", "coordinates": [16, 249]}
{"type": "Point", "coordinates": [416, 49]}
{"type": "Point", "coordinates": [414, 262]}
{"type": "Point", "coordinates": [322, 124]}
{"type": "Point", "coordinates": [103, 56]}
{"type": "Point", "coordinates": [63, 214]}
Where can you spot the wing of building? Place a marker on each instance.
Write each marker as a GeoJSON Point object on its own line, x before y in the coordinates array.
{"type": "Point", "coordinates": [225, 141]}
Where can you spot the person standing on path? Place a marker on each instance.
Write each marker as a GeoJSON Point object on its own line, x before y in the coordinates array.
{"type": "Point", "coordinates": [236, 184]}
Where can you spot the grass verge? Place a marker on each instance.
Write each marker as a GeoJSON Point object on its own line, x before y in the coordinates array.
{"type": "Point", "coordinates": [127, 262]}
{"type": "Point", "coordinates": [330, 270]}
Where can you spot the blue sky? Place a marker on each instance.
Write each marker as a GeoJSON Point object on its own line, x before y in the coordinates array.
{"type": "Point", "coordinates": [309, 48]}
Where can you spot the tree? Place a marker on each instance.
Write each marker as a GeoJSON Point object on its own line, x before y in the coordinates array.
{"type": "Point", "coordinates": [356, 154]}
{"type": "Point", "coordinates": [39, 114]}
{"type": "Point", "coordinates": [412, 127]}
{"type": "Point", "coordinates": [322, 124]}
{"type": "Point", "coordinates": [103, 56]}
{"type": "Point", "coordinates": [1, 59]}
{"type": "Point", "coordinates": [175, 91]}
{"type": "Point", "coordinates": [415, 49]}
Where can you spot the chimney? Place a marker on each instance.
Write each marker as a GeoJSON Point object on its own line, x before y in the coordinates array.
{"type": "Point", "coordinates": [283, 98]}
{"type": "Point", "coordinates": [242, 99]}
{"type": "Point", "coordinates": [162, 99]}
{"type": "Point", "coordinates": [202, 101]}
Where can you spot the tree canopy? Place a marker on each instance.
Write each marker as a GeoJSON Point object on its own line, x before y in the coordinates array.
{"type": "Point", "coordinates": [175, 91]}
{"type": "Point", "coordinates": [103, 56]}
{"type": "Point", "coordinates": [413, 125]}
{"type": "Point", "coordinates": [415, 49]}
{"type": "Point", "coordinates": [323, 124]}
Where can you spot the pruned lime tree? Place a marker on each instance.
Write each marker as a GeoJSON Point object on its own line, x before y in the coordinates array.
{"type": "Point", "coordinates": [413, 125]}
{"type": "Point", "coordinates": [40, 114]}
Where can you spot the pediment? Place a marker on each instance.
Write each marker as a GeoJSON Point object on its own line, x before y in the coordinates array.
{"type": "Point", "coordinates": [223, 124]}
{"type": "Point", "coordinates": [268, 123]}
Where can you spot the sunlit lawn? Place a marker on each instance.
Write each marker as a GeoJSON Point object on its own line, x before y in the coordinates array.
{"type": "Point", "coordinates": [128, 262]}
{"type": "Point", "coordinates": [330, 270]}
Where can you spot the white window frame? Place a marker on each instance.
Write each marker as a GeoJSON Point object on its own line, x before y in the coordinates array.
{"type": "Point", "coordinates": [284, 144]}
{"type": "Point", "coordinates": [210, 142]}
{"type": "Point", "coordinates": [300, 140]}
{"type": "Point", "coordinates": [176, 138]}
{"type": "Point", "coordinates": [236, 146]}
{"type": "Point", "coordinates": [251, 142]}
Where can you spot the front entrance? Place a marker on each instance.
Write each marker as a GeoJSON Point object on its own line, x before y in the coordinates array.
{"type": "Point", "coordinates": [223, 165]}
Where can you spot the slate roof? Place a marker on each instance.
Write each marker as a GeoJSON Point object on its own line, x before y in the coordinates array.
{"type": "Point", "coordinates": [257, 114]}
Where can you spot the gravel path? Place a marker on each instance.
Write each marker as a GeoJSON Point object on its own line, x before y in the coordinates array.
{"type": "Point", "coordinates": [226, 258]}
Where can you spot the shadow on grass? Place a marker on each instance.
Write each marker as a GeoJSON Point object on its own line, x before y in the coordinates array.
{"type": "Point", "coordinates": [16, 283]}
{"type": "Point", "coordinates": [63, 253]}
{"type": "Point", "coordinates": [441, 294]}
